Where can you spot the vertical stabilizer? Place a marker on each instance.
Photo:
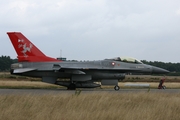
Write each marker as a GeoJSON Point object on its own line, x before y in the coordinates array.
{"type": "Point", "coordinates": [27, 51]}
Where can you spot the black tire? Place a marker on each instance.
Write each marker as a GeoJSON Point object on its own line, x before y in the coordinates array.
{"type": "Point", "coordinates": [72, 86]}
{"type": "Point", "coordinates": [116, 87]}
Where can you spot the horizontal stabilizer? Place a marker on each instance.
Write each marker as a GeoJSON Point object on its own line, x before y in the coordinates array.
{"type": "Point", "coordinates": [23, 70]}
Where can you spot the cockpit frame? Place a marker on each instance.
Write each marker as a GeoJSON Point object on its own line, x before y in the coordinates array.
{"type": "Point", "coordinates": [127, 60]}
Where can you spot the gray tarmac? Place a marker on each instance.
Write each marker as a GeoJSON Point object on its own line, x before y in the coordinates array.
{"type": "Point", "coordinates": [83, 91]}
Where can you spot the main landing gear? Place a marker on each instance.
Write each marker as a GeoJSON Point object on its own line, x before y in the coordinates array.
{"type": "Point", "coordinates": [71, 86]}
{"type": "Point", "coordinates": [116, 87]}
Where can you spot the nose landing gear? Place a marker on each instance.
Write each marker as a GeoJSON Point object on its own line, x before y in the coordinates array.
{"type": "Point", "coordinates": [116, 87]}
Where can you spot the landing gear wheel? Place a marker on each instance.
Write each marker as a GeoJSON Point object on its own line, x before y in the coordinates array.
{"type": "Point", "coordinates": [116, 87]}
{"type": "Point", "coordinates": [72, 86]}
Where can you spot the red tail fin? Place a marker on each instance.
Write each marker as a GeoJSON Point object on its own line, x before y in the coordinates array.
{"type": "Point", "coordinates": [26, 50]}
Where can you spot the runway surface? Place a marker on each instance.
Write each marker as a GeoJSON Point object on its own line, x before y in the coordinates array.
{"type": "Point", "coordinates": [83, 91]}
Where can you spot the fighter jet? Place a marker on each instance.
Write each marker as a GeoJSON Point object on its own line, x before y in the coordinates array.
{"type": "Point", "coordinates": [34, 63]}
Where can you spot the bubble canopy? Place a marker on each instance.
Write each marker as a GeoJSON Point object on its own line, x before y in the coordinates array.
{"type": "Point", "coordinates": [127, 59]}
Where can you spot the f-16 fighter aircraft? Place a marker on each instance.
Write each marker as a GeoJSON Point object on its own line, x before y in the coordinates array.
{"type": "Point", "coordinates": [34, 63]}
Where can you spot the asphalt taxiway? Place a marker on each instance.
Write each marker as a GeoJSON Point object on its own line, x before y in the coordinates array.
{"type": "Point", "coordinates": [59, 91]}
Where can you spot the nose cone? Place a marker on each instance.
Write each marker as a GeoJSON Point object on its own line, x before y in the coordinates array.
{"type": "Point", "coordinates": [157, 70]}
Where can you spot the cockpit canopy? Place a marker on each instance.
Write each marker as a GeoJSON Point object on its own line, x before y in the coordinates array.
{"type": "Point", "coordinates": [127, 59]}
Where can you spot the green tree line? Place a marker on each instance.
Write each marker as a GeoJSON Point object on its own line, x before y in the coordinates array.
{"type": "Point", "coordinates": [5, 63]}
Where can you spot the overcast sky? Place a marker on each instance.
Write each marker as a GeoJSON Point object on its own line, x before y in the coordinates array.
{"type": "Point", "coordinates": [95, 29]}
